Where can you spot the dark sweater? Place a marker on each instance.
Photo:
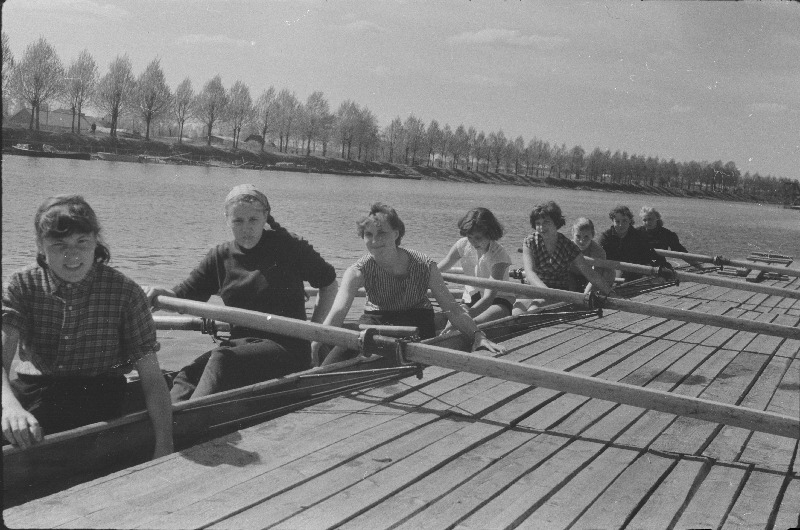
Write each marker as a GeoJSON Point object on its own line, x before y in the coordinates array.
{"type": "Point", "coordinates": [267, 278]}
{"type": "Point", "coordinates": [662, 238]}
{"type": "Point", "coordinates": [633, 248]}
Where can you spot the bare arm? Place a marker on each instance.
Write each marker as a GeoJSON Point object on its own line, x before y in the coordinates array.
{"type": "Point", "coordinates": [20, 427]}
{"type": "Point", "coordinates": [352, 281]}
{"type": "Point", "coordinates": [449, 260]}
{"type": "Point", "coordinates": [498, 272]}
{"type": "Point", "coordinates": [597, 280]}
{"type": "Point", "coordinates": [159, 406]}
{"type": "Point", "coordinates": [456, 314]}
{"type": "Point", "coordinates": [325, 299]}
{"type": "Point", "coordinates": [530, 275]}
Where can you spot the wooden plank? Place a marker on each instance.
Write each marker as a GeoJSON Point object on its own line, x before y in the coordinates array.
{"type": "Point", "coordinates": [616, 504]}
{"type": "Point", "coordinates": [566, 504]}
{"type": "Point", "coordinates": [701, 367]}
{"type": "Point", "coordinates": [755, 503]}
{"type": "Point", "coordinates": [769, 451]}
{"type": "Point", "coordinates": [662, 505]}
{"type": "Point", "coordinates": [349, 490]}
{"type": "Point", "coordinates": [714, 496]}
{"type": "Point", "coordinates": [284, 467]}
{"type": "Point", "coordinates": [688, 435]}
{"type": "Point", "coordinates": [185, 469]}
{"type": "Point", "coordinates": [421, 495]}
{"type": "Point", "coordinates": [529, 490]}
{"type": "Point", "coordinates": [788, 513]}
{"type": "Point", "coordinates": [730, 442]}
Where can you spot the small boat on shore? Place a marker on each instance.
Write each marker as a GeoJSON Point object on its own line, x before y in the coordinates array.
{"type": "Point", "coordinates": [116, 157]}
{"type": "Point", "coordinates": [47, 151]}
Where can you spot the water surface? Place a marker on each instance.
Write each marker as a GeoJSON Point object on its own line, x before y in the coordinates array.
{"type": "Point", "coordinates": [159, 220]}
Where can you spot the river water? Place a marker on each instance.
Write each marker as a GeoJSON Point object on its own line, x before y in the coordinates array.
{"type": "Point", "coordinates": [159, 220]}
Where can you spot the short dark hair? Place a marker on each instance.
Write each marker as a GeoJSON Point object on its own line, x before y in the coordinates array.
{"type": "Point", "coordinates": [481, 220]}
{"type": "Point", "coordinates": [621, 209]}
{"type": "Point", "coordinates": [392, 218]}
{"type": "Point", "coordinates": [548, 209]}
{"type": "Point", "coordinates": [64, 215]}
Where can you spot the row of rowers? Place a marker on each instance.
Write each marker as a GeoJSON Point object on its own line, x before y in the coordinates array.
{"type": "Point", "coordinates": [78, 324]}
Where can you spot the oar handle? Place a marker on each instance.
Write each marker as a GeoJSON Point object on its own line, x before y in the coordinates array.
{"type": "Point", "coordinates": [289, 327]}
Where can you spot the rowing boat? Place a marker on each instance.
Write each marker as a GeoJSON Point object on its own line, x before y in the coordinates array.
{"type": "Point", "coordinates": [465, 448]}
{"type": "Point", "coordinates": [116, 157]}
{"type": "Point", "coordinates": [79, 455]}
{"type": "Point", "coordinates": [48, 152]}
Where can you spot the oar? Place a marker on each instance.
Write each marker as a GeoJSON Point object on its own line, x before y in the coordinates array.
{"type": "Point", "coordinates": [720, 260]}
{"type": "Point", "coordinates": [630, 306]}
{"type": "Point", "coordinates": [696, 278]}
{"type": "Point", "coordinates": [746, 418]}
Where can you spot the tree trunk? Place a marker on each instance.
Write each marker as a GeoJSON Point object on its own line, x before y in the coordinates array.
{"type": "Point", "coordinates": [147, 129]}
{"type": "Point", "coordinates": [180, 132]}
{"type": "Point", "coordinates": [79, 118]}
{"type": "Point", "coordinates": [33, 113]}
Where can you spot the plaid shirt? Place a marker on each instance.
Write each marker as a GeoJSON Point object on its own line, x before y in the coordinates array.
{"type": "Point", "coordinates": [87, 328]}
{"type": "Point", "coordinates": [552, 269]}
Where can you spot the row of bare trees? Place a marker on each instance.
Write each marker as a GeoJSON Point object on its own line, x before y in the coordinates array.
{"type": "Point", "coordinates": [311, 126]}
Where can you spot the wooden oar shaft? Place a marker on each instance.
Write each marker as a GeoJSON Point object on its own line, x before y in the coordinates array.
{"type": "Point", "coordinates": [290, 327]}
{"type": "Point", "coordinates": [631, 307]}
{"type": "Point", "coordinates": [511, 371]}
{"type": "Point", "coordinates": [696, 278]}
{"type": "Point", "coordinates": [731, 262]}
{"type": "Point", "coordinates": [636, 396]}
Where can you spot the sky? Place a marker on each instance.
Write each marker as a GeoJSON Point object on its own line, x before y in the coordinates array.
{"type": "Point", "coordinates": [700, 81]}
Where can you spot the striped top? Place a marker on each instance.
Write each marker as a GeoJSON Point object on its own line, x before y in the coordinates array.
{"type": "Point", "coordinates": [86, 328]}
{"type": "Point", "coordinates": [388, 292]}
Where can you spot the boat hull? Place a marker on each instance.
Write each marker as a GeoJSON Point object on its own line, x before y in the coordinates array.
{"type": "Point", "coordinates": [114, 157]}
{"type": "Point", "coordinates": [48, 154]}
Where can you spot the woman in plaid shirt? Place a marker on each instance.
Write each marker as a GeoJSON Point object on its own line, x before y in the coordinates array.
{"type": "Point", "coordinates": [547, 254]}
{"type": "Point", "coordinates": [78, 325]}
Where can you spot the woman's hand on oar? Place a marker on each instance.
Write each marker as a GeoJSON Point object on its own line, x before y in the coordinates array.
{"type": "Point", "coordinates": [483, 343]}
{"type": "Point", "coordinates": [153, 291]}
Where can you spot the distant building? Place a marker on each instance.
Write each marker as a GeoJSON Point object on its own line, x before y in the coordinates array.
{"type": "Point", "coordinates": [49, 120]}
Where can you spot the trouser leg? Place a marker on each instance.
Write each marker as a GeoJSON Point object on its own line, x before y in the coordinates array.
{"type": "Point", "coordinates": [249, 362]}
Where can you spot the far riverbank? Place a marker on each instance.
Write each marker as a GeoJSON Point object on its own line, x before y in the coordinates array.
{"type": "Point", "coordinates": [250, 156]}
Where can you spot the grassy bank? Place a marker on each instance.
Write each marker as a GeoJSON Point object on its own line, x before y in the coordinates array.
{"type": "Point", "coordinates": [196, 150]}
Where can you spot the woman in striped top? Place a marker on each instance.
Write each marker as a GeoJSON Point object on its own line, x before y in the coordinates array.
{"type": "Point", "coordinates": [396, 281]}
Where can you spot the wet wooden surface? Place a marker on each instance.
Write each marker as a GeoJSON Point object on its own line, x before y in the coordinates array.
{"type": "Point", "coordinates": [455, 450]}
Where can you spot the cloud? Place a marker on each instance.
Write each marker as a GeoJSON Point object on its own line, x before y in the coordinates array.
{"type": "Point", "coordinates": [505, 37]}
{"type": "Point", "coordinates": [768, 108]}
{"type": "Point", "coordinates": [82, 7]}
{"type": "Point", "coordinates": [223, 40]}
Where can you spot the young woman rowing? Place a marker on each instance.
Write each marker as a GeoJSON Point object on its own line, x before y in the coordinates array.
{"type": "Point", "coordinates": [397, 281]}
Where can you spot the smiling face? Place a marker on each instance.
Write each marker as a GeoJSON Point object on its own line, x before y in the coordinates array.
{"type": "Point", "coordinates": [71, 257]}
{"type": "Point", "coordinates": [621, 224]}
{"type": "Point", "coordinates": [583, 237]}
{"type": "Point", "coordinates": [246, 220]}
{"type": "Point", "coordinates": [650, 221]}
{"type": "Point", "coordinates": [379, 236]}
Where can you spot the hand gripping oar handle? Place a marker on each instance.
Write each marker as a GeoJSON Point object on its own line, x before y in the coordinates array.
{"type": "Point", "coordinates": [721, 260]}
{"type": "Point", "coordinates": [630, 306]}
{"type": "Point", "coordinates": [696, 278]}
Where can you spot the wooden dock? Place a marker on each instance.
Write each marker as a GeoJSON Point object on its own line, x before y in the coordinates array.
{"type": "Point", "coordinates": [456, 450]}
